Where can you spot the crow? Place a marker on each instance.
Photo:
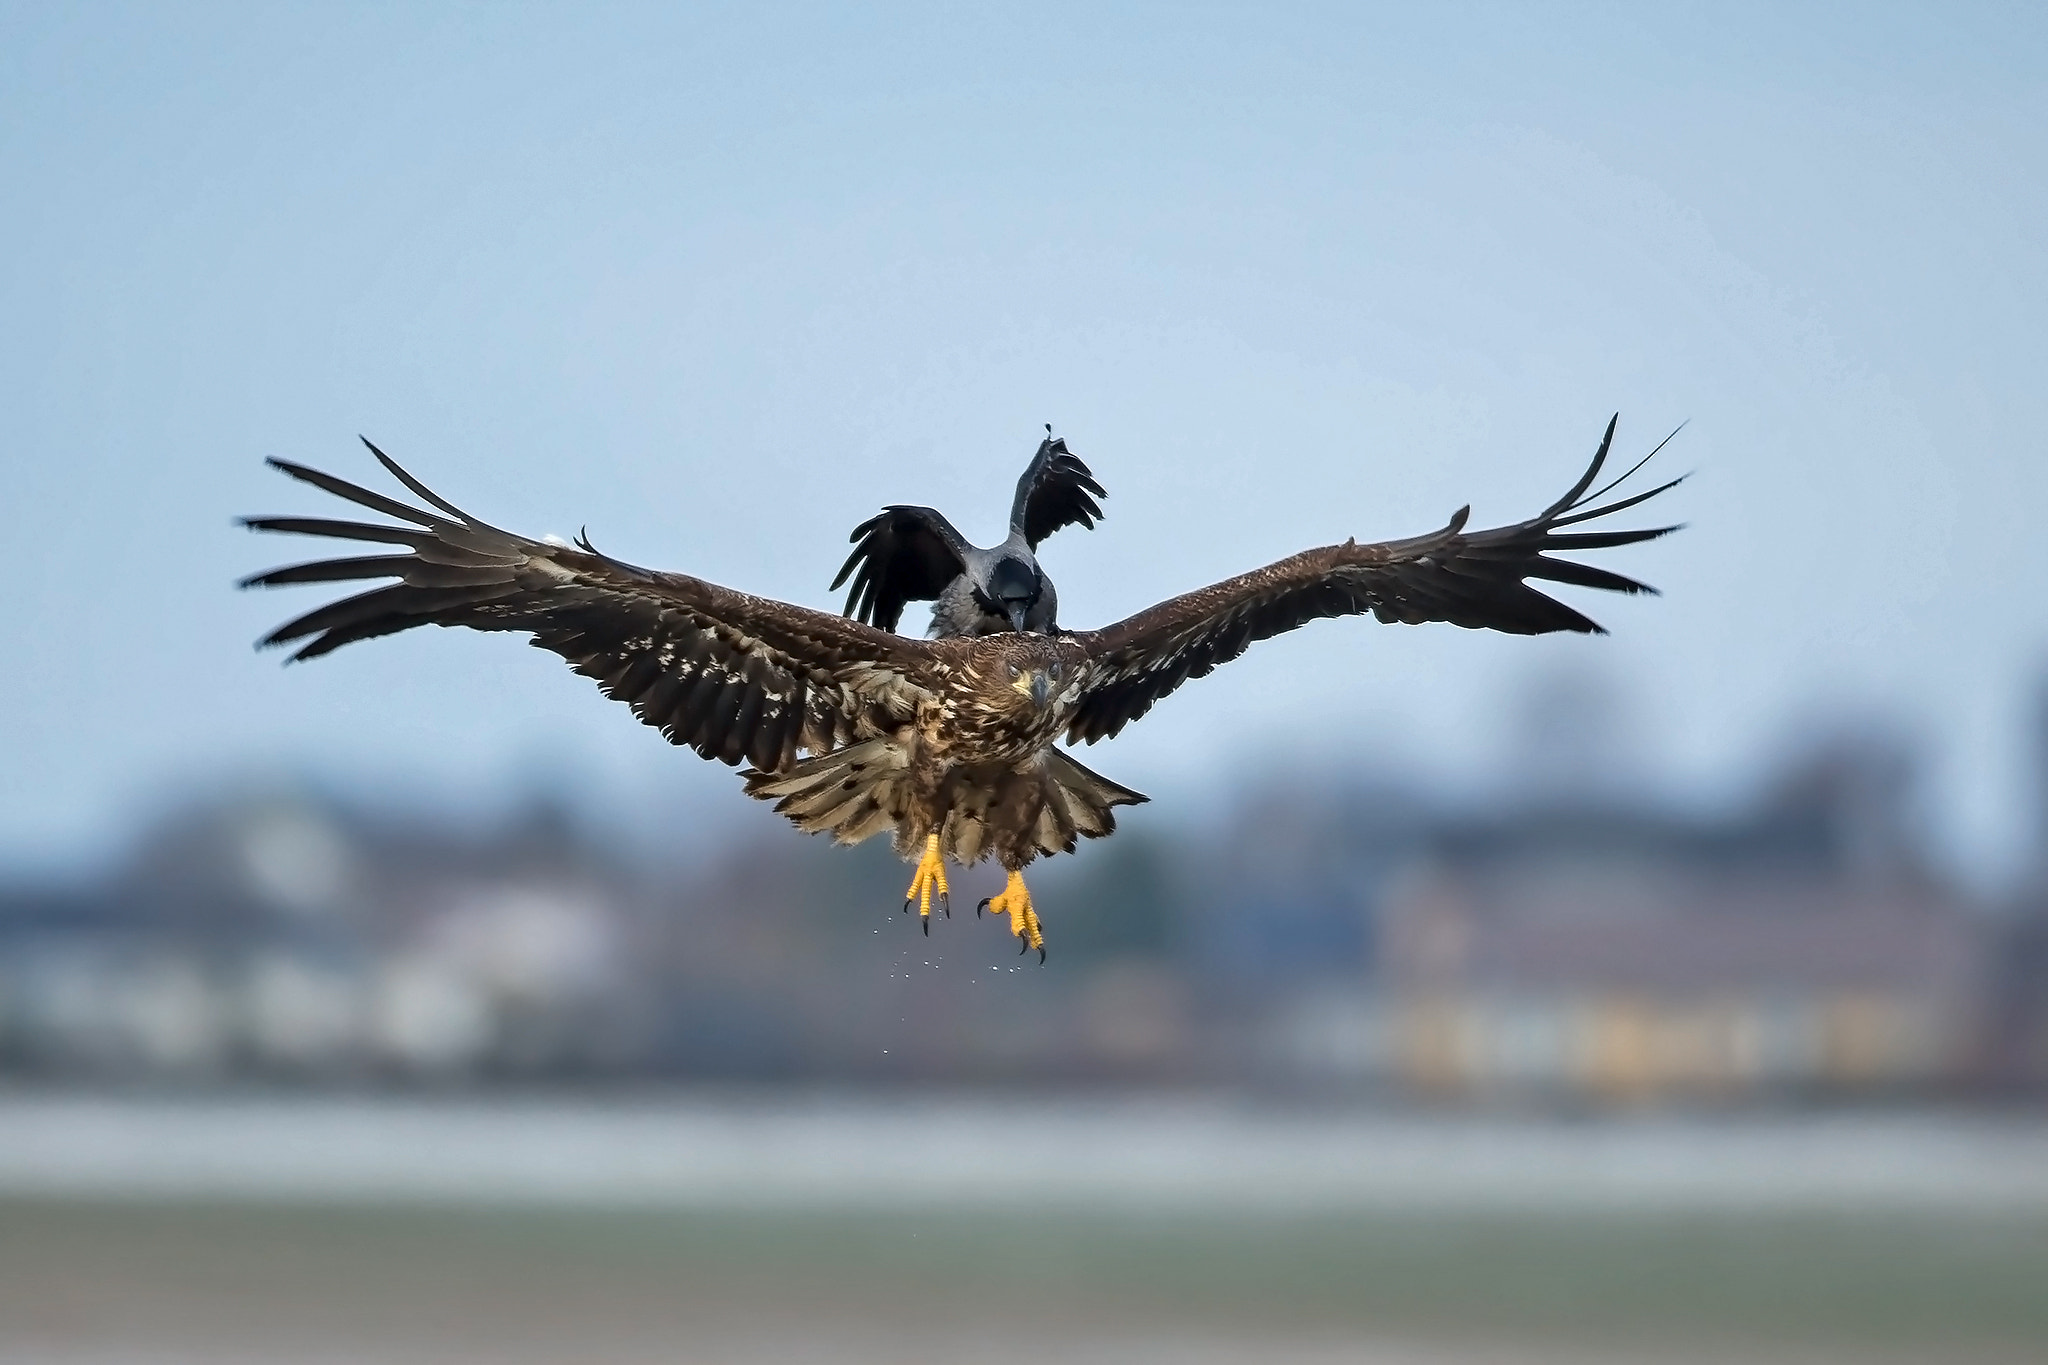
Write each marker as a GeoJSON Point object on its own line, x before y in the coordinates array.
{"type": "Point", "coordinates": [913, 554]}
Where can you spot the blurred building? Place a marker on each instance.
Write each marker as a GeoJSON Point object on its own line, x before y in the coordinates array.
{"type": "Point", "coordinates": [286, 937]}
{"type": "Point", "coordinates": [1567, 943]}
{"type": "Point", "coordinates": [1618, 953]}
{"type": "Point", "coordinates": [2015, 1043]}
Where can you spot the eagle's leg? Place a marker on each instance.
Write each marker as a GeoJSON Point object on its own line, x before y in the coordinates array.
{"type": "Point", "coordinates": [929, 877]}
{"type": "Point", "coordinates": [1015, 902]}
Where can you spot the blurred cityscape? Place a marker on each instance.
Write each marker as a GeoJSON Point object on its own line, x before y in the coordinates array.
{"type": "Point", "coordinates": [1566, 942]}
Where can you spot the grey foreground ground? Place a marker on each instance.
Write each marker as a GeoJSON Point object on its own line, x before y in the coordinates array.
{"type": "Point", "coordinates": [152, 1233]}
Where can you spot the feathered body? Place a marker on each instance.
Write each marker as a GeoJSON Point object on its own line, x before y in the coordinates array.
{"type": "Point", "coordinates": [975, 764]}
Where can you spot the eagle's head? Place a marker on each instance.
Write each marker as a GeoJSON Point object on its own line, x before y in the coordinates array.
{"type": "Point", "coordinates": [1023, 678]}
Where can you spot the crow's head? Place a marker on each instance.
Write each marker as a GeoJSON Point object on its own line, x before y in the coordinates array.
{"type": "Point", "coordinates": [1009, 590]}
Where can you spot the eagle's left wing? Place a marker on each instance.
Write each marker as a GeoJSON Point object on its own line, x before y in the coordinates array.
{"type": "Point", "coordinates": [733, 676]}
{"type": "Point", "coordinates": [1476, 579]}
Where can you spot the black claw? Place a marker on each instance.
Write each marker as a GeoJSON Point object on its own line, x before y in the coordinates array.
{"type": "Point", "coordinates": [1023, 948]}
{"type": "Point", "coordinates": [981, 907]}
{"type": "Point", "coordinates": [927, 926]}
{"type": "Point", "coordinates": [1041, 954]}
{"type": "Point", "coordinates": [906, 905]}
{"type": "Point", "coordinates": [946, 903]}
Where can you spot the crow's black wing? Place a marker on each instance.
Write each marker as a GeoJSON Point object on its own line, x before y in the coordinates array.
{"type": "Point", "coordinates": [1055, 490]}
{"type": "Point", "coordinates": [904, 554]}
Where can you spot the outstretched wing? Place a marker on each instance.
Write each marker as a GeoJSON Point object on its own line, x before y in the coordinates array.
{"type": "Point", "coordinates": [904, 554]}
{"type": "Point", "coordinates": [1055, 490]}
{"type": "Point", "coordinates": [730, 675]}
{"type": "Point", "coordinates": [1476, 579]}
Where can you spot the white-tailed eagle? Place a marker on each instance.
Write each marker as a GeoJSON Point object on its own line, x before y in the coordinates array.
{"type": "Point", "coordinates": [950, 744]}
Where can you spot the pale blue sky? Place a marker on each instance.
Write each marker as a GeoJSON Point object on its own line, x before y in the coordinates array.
{"type": "Point", "coordinates": [718, 282]}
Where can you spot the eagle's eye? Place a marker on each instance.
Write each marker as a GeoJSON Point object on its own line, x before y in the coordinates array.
{"type": "Point", "coordinates": [1054, 670]}
{"type": "Point", "coordinates": [1013, 670]}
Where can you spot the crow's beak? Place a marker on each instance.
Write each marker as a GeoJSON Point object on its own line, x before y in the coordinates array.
{"type": "Point", "coordinates": [1016, 610]}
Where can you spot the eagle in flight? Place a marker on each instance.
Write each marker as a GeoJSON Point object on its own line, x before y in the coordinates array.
{"type": "Point", "coordinates": [950, 743]}
{"type": "Point", "coordinates": [913, 554]}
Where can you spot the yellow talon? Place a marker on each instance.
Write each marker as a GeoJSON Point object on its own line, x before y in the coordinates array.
{"type": "Point", "coordinates": [1015, 902]}
{"type": "Point", "coordinates": [929, 877]}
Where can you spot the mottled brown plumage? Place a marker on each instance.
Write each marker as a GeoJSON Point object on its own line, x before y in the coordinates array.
{"type": "Point", "coordinates": [853, 730]}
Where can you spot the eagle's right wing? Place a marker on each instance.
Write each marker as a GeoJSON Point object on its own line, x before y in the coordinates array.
{"type": "Point", "coordinates": [1055, 490]}
{"type": "Point", "coordinates": [1477, 579]}
{"type": "Point", "coordinates": [733, 676]}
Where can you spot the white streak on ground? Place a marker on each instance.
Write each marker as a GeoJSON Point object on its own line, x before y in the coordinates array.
{"type": "Point", "coordinates": [939, 1153]}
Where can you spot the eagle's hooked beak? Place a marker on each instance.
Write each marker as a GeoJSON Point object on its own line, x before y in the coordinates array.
{"type": "Point", "coordinates": [1035, 685]}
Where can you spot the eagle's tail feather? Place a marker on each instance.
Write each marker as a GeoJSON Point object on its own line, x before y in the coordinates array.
{"type": "Point", "coordinates": [850, 793]}
{"type": "Point", "coordinates": [1078, 803]}
{"type": "Point", "coordinates": [1089, 791]}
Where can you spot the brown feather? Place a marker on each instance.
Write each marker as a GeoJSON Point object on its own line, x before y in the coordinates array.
{"type": "Point", "coordinates": [1472, 579]}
